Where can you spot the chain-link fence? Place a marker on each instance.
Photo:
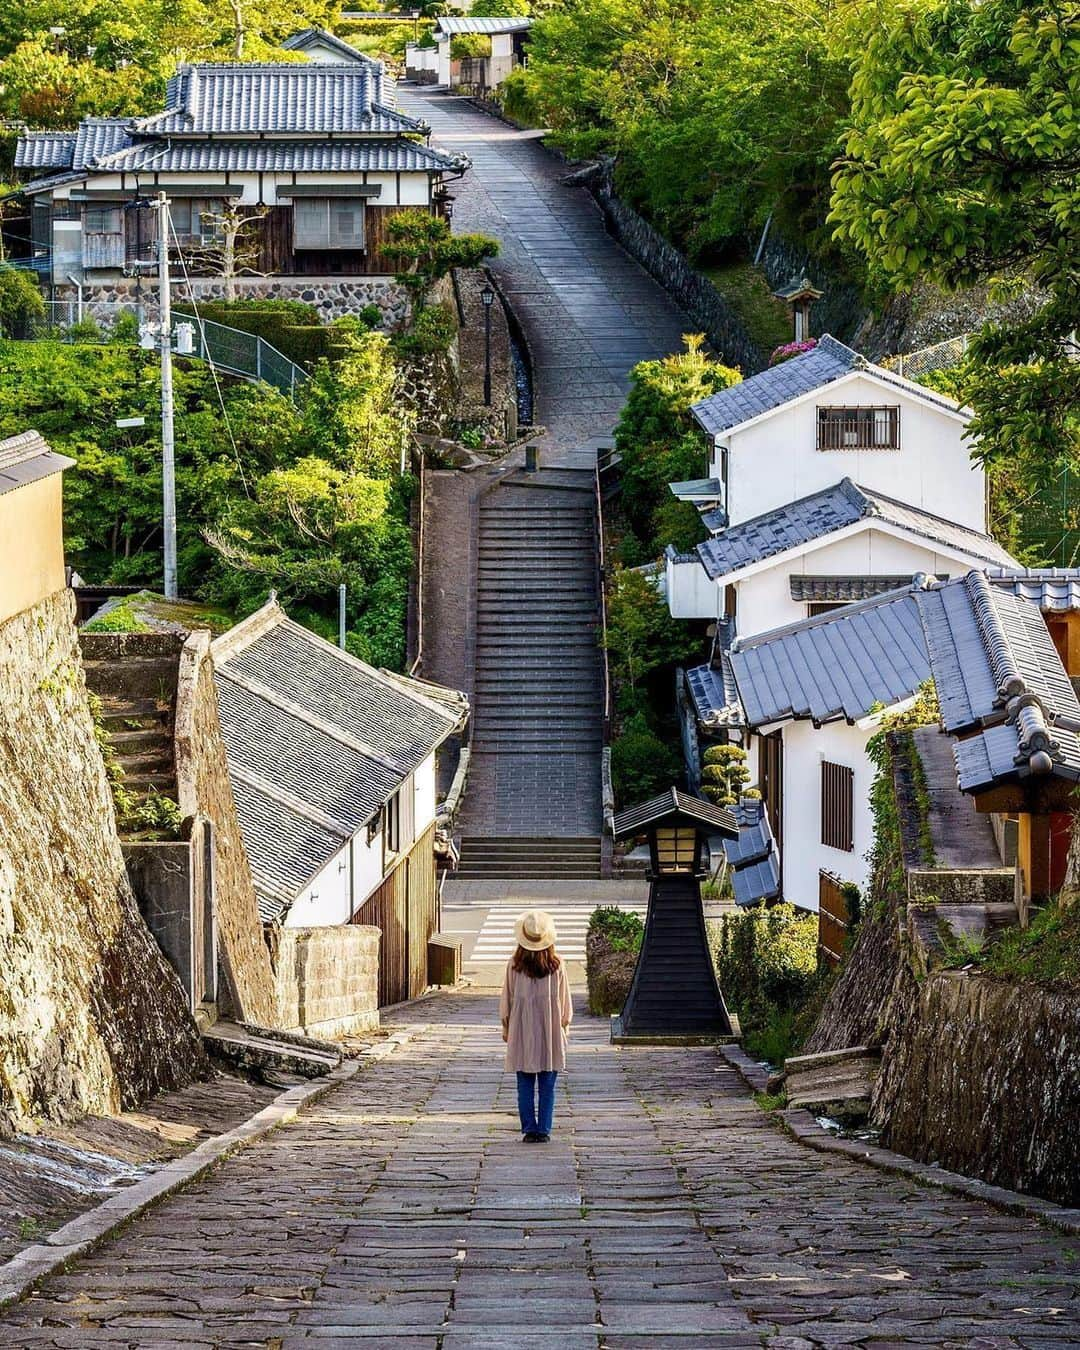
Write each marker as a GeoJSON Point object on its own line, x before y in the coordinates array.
{"type": "Point", "coordinates": [942, 355]}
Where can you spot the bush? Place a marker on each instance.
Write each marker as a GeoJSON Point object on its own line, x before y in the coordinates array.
{"type": "Point", "coordinates": [768, 968]}
{"type": "Point", "coordinates": [432, 332]}
{"type": "Point", "coordinates": [611, 947]}
{"type": "Point", "coordinates": [641, 764]}
{"type": "Point", "coordinates": [21, 305]}
{"type": "Point", "coordinates": [291, 326]}
{"type": "Point", "coordinates": [85, 330]}
{"type": "Point", "coordinates": [469, 45]}
{"type": "Point", "coordinates": [724, 774]}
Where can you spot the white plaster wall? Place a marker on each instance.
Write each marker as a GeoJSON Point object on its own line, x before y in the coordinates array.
{"type": "Point", "coordinates": [804, 855]}
{"type": "Point", "coordinates": [443, 65]}
{"type": "Point", "coordinates": [424, 798]}
{"type": "Point", "coordinates": [415, 187]}
{"type": "Point", "coordinates": [355, 871]}
{"type": "Point", "coordinates": [502, 58]}
{"type": "Point", "coordinates": [776, 461]}
{"type": "Point", "coordinates": [690, 592]}
{"type": "Point", "coordinates": [763, 600]}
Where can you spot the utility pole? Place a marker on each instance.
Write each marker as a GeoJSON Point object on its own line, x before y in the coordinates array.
{"type": "Point", "coordinates": [168, 439]}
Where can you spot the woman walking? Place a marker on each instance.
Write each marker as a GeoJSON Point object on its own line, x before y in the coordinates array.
{"type": "Point", "coordinates": [536, 1010]}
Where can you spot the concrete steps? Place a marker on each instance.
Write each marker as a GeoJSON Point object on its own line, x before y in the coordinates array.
{"type": "Point", "coordinates": [526, 857]}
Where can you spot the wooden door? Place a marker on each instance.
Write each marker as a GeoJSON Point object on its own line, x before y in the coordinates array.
{"type": "Point", "coordinates": [771, 762]}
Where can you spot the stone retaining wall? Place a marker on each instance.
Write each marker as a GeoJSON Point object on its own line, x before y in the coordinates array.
{"type": "Point", "coordinates": [327, 979]}
{"type": "Point", "coordinates": [697, 295]}
{"type": "Point", "coordinates": [92, 1017]}
{"type": "Point", "coordinates": [333, 297]}
{"type": "Point", "coordinates": [983, 1077]}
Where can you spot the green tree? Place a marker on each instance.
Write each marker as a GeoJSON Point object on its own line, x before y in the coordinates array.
{"type": "Point", "coordinates": [20, 302]}
{"type": "Point", "coordinates": [657, 438]}
{"type": "Point", "coordinates": [641, 764]}
{"type": "Point", "coordinates": [424, 250]}
{"type": "Point", "coordinates": [961, 164]}
{"type": "Point", "coordinates": [499, 9]}
{"type": "Point", "coordinates": [641, 634]}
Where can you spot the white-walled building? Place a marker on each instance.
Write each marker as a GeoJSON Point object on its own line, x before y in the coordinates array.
{"type": "Point", "coordinates": [507, 37]}
{"type": "Point", "coordinates": [333, 768]}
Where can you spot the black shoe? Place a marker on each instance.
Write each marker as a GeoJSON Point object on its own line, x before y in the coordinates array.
{"type": "Point", "coordinates": [531, 1137]}
{"type": "Point", "coordinates": [542, 1138]}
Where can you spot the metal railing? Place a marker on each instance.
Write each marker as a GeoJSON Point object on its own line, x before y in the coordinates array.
{"type": "Point", "coordinates": [940, 356]}
{"type": "Point", "coordinates": [246, 354]}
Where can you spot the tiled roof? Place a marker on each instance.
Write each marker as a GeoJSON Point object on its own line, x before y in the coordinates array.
{"type": "Point", "coordinates": [828, 361]}
{"type": "Point", "coordinates": [752, 856]}
{"type": "Point", "coordinates": [716, 702]}
{"type": "Point", "coordinates": [841, 664]}
{"type": "Point", "coordinates": [276, 156]}
{"type": "Point", "coordinates": [637, 818]}
{"type": "Point", "coordinates": [319, 37]}
{"type": "Point", "coordinates": [839, 590]}
{"type": "Point", "coordinates": [98, 136]}
{"type": "Point", "coordinates": [27, 457]}
{"type": "Point", "coordinates": [998, 674]}
{"type": "Point", "coordinates": [834, 508]}
{"type": "Point", "coordinates": [44, 150]}
{"type": "Point", "coordinates": [1056, 590]}
{"type": "Point", "coordinates": [511, 24]}
{"type": "Point", "coordinates": [317, 743]}
{"type": "Point", "coordinates": [291, 98]}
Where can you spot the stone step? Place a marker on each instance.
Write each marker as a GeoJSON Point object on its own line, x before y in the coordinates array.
{"type": "Point", "coordinates": [131, 741]}
{"type": "Point", "coordinates": [256, 1050]}
{"type": "Point", "coordinates": [153, 759]}
{"type": "Point", "coordinates": [558, 843]}
{"type": "Point", "coordinates": [134, 715]}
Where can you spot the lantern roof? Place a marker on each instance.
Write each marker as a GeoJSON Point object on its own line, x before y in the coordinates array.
{"type": "Point", "coordinates": [674, 805]}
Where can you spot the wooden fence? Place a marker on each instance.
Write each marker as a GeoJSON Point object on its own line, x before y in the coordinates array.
{"type": "Point", "coordinates": [834, 918]}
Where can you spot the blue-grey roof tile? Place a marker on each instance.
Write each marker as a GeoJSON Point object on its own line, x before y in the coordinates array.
{"type": "Point", "coordinates": [829, 360]}
{"type": "Point", "coordinates": [835, 508]}
{"type": "Point", "coordinates": [841, 664]}
{"type": "Point", "coordinates": [45, 150]}
{"type": "Point", "coordinates": [373, 156]}
{"type": "Point", "coordinates": [755, 840]}
{"type": "Point", "coordinates": [759, 882]}
{"type": "Point", "coordinates": [1056, 590]}
{"type": "Point", "coordinates": [291, 98]}
{"type": "Point", "coordinates": [320, 37]}
{"type": "Point", "coordinates": [470, 24]}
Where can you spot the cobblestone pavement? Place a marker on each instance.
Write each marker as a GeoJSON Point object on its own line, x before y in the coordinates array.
{"type": "Point", "coordinates": [667, 1211]}
{"type": "Point", "coordinates": [589, 311]}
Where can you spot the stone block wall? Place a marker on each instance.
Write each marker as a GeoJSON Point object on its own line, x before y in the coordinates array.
{"type": "Point", "coordinates": [327, 979]}
{"type": "Point", "coordinates": [983, 1076]}
{"type": "Point", "coordinates": [204, 789]}
{"type": "Point", "coordinates": [333, 297]}
{"type": "Point", "coordinates": [92, 1017]}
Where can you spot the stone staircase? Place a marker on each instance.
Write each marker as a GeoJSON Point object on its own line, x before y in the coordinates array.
{"type": "Point", "coordinates": [533, 806]}
{"type": "Point", "coordinates": [136, 695]}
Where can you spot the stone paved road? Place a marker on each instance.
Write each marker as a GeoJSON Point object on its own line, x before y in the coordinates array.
{"type": "Point", "coordinates": [667, 1212]}
{"type": "Point", "coordinates": [590, 312]}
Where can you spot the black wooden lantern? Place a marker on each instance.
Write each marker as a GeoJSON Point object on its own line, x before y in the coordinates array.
{"type": "Point", "coordinates": [674, 996]}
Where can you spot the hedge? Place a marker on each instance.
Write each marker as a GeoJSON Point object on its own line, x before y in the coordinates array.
{"type": "Point", "coordinates": [291, 326]}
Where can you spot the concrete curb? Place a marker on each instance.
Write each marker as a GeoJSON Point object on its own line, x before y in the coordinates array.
{"type": "Point", "coordinates": [804, 1128]}
{"type": "Point", "coordinates": [87, 1231]}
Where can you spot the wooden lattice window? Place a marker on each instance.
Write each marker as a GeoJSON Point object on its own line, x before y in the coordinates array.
{"type": "Point", "coordinates": [837, 806]}
{"type": "Point", "coordinates": [858, 429]}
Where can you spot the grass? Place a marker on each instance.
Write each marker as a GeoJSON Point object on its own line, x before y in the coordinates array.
{"type": "Point", "coordinates": [771, 1101]}
{"type": "Point", "coordinates": [744, 287]}
{"type": "Point", "coordinates": [1046, 953]}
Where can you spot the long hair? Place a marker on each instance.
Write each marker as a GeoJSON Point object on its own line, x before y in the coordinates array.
{"type": "Point", "coordinates": [537, 964]}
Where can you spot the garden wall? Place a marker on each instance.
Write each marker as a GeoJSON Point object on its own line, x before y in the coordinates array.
{"type": "Point", "coordinates": [983, 1076]}
{"type": "Point", "coordinates": [327, 979]}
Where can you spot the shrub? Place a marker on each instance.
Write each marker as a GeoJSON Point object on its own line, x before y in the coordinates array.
{"type": "Point", "coordinates": [432, 332]}
{"type": "Point", "coordinates": [468, 45]}
{"type": "Point", "coordinates": [291, 326]}
{"type": "Point", "coordinates": [611, 947]}
{"type": "Point", "coordinates": [85, 330]}
{"type": "Point", "coordinates": [724, 774]}
{"type": "Point", "coordinates": [767, 966]}
{"type": "Point", "coordinates": [125, 330]}
{"type": "Point", "coordinates": [641, 764]}
{"type": "Point", "coordinates": [21, 305]}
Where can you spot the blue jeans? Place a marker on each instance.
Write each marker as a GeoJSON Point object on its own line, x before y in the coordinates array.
{"type": "Point", "coordinates": [533, 1120]}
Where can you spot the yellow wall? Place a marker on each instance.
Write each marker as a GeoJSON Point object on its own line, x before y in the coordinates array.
{"type": "Point", "coordinates": [31, 544]}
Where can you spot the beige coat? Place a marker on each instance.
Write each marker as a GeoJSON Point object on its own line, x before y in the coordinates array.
{"type": "Point", "coordinates": [535, 1015]}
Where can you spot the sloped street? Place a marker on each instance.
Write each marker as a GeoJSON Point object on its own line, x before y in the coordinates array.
{"type": "Point", "coordinates": [402, 1210]}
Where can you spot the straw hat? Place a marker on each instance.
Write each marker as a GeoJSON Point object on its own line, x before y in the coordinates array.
{"type": "Point", "coordinates": [535, 930]}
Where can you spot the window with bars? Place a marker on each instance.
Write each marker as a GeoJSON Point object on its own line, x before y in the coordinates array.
{"type": "Point", "coordinates": [858, 429]}
{"type": "Point", "coordinates": [328, 222]}
{"type": "Point", "coordinates": [837, 806]}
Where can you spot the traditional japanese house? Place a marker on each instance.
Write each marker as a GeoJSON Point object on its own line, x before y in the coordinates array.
{"type": "Point", "coordinates": [333, 767]}
{"type": "Point", "coordinates": [312, 154]}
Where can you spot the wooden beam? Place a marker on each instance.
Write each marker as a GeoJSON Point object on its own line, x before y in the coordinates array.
{"type": "Point", "coordinates": [1033, 855]}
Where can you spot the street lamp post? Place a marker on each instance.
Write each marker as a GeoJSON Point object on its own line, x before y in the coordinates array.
{"type": "Point", "coordinates": [488, 297]}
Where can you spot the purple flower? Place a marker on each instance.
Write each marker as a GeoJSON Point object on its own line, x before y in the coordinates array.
{"type": "Point", "coordinates": [789, 349]}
